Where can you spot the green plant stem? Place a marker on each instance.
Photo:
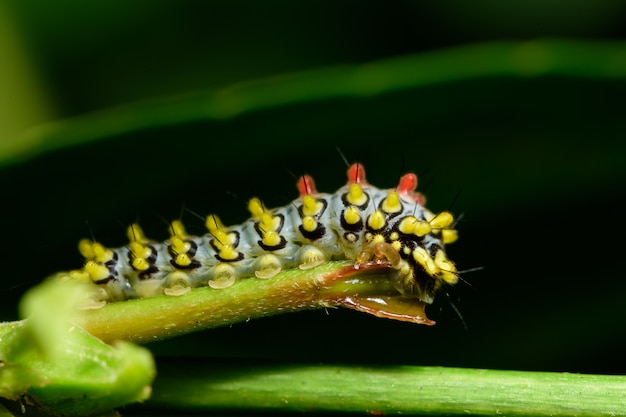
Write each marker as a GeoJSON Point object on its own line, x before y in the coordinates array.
{"type": "Point", "coordinates": [147, 319]}
{"type": "Point", "coordinates": [197, 386]}
{"type": "Point", "coordinates": [50, 359]}
{"type": "Point", "coordinates": [606, 60]}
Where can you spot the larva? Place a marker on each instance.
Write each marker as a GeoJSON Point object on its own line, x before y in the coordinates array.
{"type": "Point", "coordinates": [358, 222]}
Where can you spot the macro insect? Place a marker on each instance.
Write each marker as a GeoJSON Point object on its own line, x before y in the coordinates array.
{"type": "Point", "coordinates": [358, 222]}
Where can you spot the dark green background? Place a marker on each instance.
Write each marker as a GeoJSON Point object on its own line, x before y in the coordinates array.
{"type": "Point", "coordinates": [539, 164]}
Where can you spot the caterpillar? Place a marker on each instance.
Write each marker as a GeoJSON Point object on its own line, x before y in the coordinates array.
{"type": "Point", "coordinates": [358, 222]}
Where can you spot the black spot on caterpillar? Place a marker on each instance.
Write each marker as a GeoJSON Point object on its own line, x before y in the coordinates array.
{"type": "Point", "coordinates": [358, 222]}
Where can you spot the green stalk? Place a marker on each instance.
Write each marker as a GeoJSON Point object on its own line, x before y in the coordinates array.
{"type": "Point", "coordinates": [584, 59]}
{"type": "Point", "coordinates": [203, 387]}
{"type": "Point", "coordinates": [65, 370]}
{"type": "Point", "coordinates": [57, 358]}
{"type": "Point", "coordinates": [148, 319]}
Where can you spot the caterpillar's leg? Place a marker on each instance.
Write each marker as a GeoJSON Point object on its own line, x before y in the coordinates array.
{"type": "Point", "coordinates": [310, 257]}
{"type": "Point", "coordinates": [177, 283]}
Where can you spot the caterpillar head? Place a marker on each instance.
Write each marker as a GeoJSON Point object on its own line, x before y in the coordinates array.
{"type": "Point", "coordinates": [401, 232]}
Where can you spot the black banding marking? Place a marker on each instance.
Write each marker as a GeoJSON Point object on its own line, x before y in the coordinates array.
{"type": "Point", "coordinates": [281, 244]}
{"type": "Point", "coordinates": [351, 237]}
{"type": "Point", "coordinates": [358, 226]}
{"type": "Point", "coordinates": [234, 245]}
{"type": "Point", "coordinates": [112, 262]}
{"type": "Point", "coordinates": [110, 266]}
{"type": "Point", "coordinates": [238, 258]}
{"type": "Point", "coordinates": [411, 245]}
{"type": "Point", "coordinates": [424, 280]}
{"type": "Point", "coordinates": [153, 255]}
{"type": "Point", "coordinates": [152, 269]}
{"type": "Point", "coordinates": [192, 265]}
{"type": "Point", "coordinates": [147, 274]}
{"type": "Point", "coordinates": [193, 248]}
{"type": "Point", "coordinates": [106, 280]}
{"type": "Point", "coordinates": [319, 231]}
{"type": "Point", "coordinates": [395, 227]}
{"type": "Point", "coordinates": [432, 250]}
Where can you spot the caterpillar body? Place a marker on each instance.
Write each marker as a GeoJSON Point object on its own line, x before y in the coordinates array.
{"type": "Point", "coordinates": [358, 222]}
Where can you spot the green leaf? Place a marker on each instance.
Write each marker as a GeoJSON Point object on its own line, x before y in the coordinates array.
{"type": "Point", "coordinates": [540, 58]}
{"type": "Point", "coordinates": [206, 387]}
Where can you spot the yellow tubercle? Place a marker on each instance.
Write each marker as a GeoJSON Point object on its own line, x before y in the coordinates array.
{"type": "Point", "coordinates": [422, 229]}
{"type": "Point", "coordinates": [448, 277]}
{"type": "Point", "coordinates": [255, 207]}
{"type": "Point", "coordinates": [140, 264]}
{"type": "Point", "coordinates": [178, 230]}
{"type": "Point", "coordinates": [443, 262]}
{"type": "Point", "coordinates": [96, 271]}
{"type": "Point", "coordinates": [397, 245]}
{"type": "Point", "coordinates": [94, 251]}
{"type": "Point", "coordinates": [271, 238]}
{"type": "Point", "coordinates": [85, 247]}
{"type": "Point", "coordinates": [377, 220]}
{"type": "Point", "coordinates": [135, 234]}
{"type": "Point", "coordinates": [310, 206]}
{"type": "Point", "coordinates": [182, 259]}
{"type": "Point", "coordinates": [391, 204]}
{"type": "Point", "coordinates": [228, 253]}
{"type": "Point", "coordinates": [356, 195]}
{"type": "Point", "coordinates": [378, 238]}
{"type": "Point", "coordinates": [102, 254]}
{"type": "Point", "coordinates": [309, 223]}
{"type": "Point", "coordinates": [213, 223]}
{"type": "Point", "coordinates": [449, 236]}
{"type": "Point", "coordinates": [407, 225]}
{"type": "Point", "coordinates": [269, 223]}
{"type": "Point", "coordinates": [447, 269]}
{"type": "Point", "coordinates": [423, 258]}
{"type": "Point", "coordinates": [139, 250]}
{"type": "Point", "coordinates": [178, 245]}
{"type": "Point", "coordinates": [442, 220]}
{"type": "Point", "coordinates": [352, 215]}
{"type": "Point", "coordinates": [221, 238]}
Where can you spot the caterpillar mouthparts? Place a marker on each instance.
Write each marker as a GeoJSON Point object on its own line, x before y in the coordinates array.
{"type": "Point", "coordinates": [358, 222]}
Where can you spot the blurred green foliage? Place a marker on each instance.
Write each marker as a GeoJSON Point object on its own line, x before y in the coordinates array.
{"type": "Point", "coordinates": [539, 164]}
